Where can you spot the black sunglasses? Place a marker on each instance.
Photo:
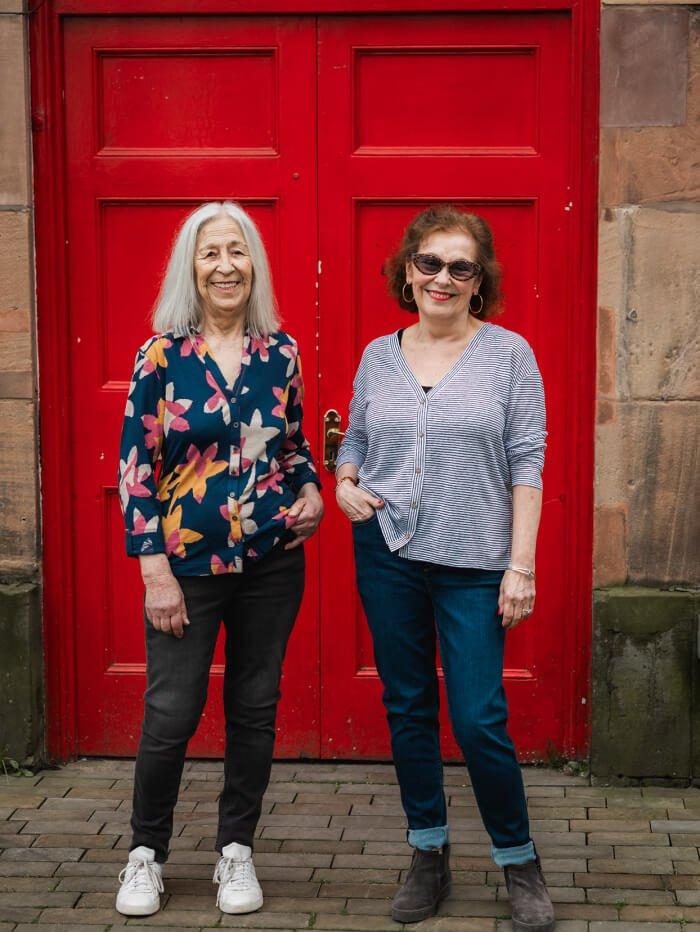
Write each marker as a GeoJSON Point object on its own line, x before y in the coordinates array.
{"type": "Point", "coordinates": [461, 269]}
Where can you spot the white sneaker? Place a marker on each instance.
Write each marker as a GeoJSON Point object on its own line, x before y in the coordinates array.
{"type": "Point", "coordinates": [239, 890]}
{"type": "Point", "coordinates": [141, 884]}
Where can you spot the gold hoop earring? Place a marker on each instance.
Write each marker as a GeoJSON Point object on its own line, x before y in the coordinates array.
{"type": "Point", "coordinates": [481, 306]}
{"type": "Point", "coordinates": [403, 293]}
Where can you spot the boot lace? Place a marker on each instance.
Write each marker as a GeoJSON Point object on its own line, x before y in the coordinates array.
{"type": "Point", "coordinates": [234, 874]}
{"type": "Point", "coordinates": [141, 877]}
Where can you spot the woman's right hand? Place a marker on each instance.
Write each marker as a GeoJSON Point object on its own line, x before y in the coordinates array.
{"type": "Point", "coordinates": [355, 503]}
{"type": "Point", "coordinates": [165, 603]}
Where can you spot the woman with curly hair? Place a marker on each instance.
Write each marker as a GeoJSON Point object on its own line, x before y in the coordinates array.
{"type": "Point", "coordinates": [440, 475]}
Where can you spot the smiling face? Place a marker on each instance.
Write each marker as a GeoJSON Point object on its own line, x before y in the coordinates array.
{"type": "Point", "coordinates": [222, 267]}
{"type": "Point", "coordinates": [439, 295]}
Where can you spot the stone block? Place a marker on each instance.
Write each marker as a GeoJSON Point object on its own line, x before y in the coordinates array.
{"type": "Point", "coordinates": [612, 248]}
{"type": "Point", "coordinates": [18, 493]}
{"type": "Point", "coordinates": [14, 106]}
{"type": "Point", "coordinates": [663, 296]}
{"type": "Point", "coordinates": [644, 655]}
{"type": "Point", "coordinates": [21, 690]}
{"type": "Point", "coordinates": [610, 546]}
{"type": "Point", "coordinates": [647, 329]}
{"type": "Point", "coordinates": [15, 271]}
{"type": "Point", "coordinates": [646, 459]}
{"type": "Point", "coordinates": [607, 350]}
{"type": "Point", "coordinates": [655, 163]}
{"type": "Point", "coordinates": [643, 66]}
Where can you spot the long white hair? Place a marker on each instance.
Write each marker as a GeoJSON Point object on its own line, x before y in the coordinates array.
{"type": "Point", "coordinates": [178, 307]}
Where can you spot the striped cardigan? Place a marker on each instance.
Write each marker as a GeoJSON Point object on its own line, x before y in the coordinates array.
{"type": "Point", "coordinates": [445, 461]}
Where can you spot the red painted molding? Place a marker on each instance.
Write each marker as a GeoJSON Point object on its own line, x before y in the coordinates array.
{"type": "Point", "coordinates": [296, 7]}
{"type": "Point", "coordinates": [53, 345]}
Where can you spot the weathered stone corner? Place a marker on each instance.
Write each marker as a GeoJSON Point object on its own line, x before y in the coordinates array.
{"type": "Point", "coordinates": [646, 681]}
{"type": "Point", "coordinates": [21, 673]}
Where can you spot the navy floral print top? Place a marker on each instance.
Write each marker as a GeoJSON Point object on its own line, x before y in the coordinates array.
{"type": "Point", "coordinates": [209, 471]}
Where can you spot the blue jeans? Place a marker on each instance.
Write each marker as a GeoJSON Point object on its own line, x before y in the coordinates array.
{"type": "Point", "coordinates": [405, 601]}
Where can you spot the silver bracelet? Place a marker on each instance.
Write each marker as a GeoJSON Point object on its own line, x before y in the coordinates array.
{"type": "Point", "coordinates": [523, 570]}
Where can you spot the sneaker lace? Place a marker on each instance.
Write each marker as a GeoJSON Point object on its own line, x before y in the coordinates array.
{"type": "Point", "coordinates": [141, 877]}
{"type": "Point", "coordinates": [234, 874]}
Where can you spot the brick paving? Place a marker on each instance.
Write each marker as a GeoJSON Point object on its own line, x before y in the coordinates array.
{"type": "Point", "coordinates": [331, 851]}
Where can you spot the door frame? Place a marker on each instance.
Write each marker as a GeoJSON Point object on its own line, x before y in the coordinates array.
{"type": "Point", "coordinates": [50, 230]}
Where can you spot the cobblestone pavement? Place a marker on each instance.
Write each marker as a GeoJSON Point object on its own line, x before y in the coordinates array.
{"type": "Point", "coordinates": [332, 850]}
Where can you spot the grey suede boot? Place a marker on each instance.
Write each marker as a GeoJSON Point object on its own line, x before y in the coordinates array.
{"type": "Point", "coordinates": [428, 882]}
{"type": "Point", "coordinates": [530, 905]}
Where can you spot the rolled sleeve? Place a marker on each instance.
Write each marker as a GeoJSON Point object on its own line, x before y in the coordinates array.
{"type": "Point", "coordinates": [525, 431]}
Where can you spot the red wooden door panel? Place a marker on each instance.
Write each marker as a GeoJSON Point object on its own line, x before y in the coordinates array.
{"type": "Point", "coordinates": [475, 109]}
{"type": "Point", "coordinates": [161, 115]}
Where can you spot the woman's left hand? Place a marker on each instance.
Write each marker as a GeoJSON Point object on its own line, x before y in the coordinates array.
{"type": "Point", "coordinates": [308, 511]}
{"type": "Point", "coordinates": [516, 599]}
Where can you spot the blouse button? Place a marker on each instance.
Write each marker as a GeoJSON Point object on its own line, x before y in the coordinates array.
{"type": "Point", "coordinates": [421, 434]}
{"type": "Point", "coordinates": [414, 504]}
{"type": "Point", "coordinates": [236, 424]}
{"type": "Point", "coordinates": [418, 470]}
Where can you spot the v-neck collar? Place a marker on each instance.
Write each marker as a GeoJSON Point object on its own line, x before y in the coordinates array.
{"type": "Point", "coordinates": [203, 351]}
{"type": "Point", "coordinates": [448, 376]}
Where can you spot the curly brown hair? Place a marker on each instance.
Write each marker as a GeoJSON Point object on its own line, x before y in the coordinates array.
{"type": "Point", "coordinates": [447, 218]}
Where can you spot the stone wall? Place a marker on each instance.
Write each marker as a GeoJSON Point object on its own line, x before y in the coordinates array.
{"type": "Point", "coordinates": [20, 658]}
{"type": "Point", "coordinates": [647, 526]}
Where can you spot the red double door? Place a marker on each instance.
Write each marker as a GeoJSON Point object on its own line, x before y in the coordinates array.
{"type": "Point", "coordinates": [332, 132]}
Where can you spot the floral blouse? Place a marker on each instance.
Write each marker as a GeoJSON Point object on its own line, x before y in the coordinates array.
{"type": "Point", "coordinates": [209, 471]}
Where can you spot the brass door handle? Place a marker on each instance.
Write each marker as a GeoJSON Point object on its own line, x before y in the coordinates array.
{"type": "Point", "coordinates": [331, 438]}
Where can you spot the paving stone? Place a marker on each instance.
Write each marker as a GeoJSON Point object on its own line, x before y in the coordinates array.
{"type": "Point", "coordinates": [296, 831]}
{"type": "Point", "coordinates": [612, 813]}
{"type": "Point", "coordinates": [688, 838]}
{"type": "Point", "coordinates": [10, 799]}
{"type": "Point", "coordinates": [263, 920]}
{"type": "Point", "coordinates": [641, 851]}
{"type": "Point", "coordinates": [677, 826]}
{"type": "Point", "coordinates": [609, 825]}
{"type": "Point", "coordinates": [28, 868]}
{"type": "Point", "coordinates": [12, 839]}
{"type": "Point", "coordinates": [39, 899]}
{"type": "Point", "coordinates": [631, 927]}
{"type": "Point", "coordinates": [612, 880]}
{"type": "Point", "coordinates": [58, 827]}
{"type": "Point", "coordinates": [659, 913]}
{"type": "Point", "coordinates": [19, 914]}
{"type": "Point", "coordinates": [563, 925]}
{"type": "Point", "coordinates": [41, 854]}
{"type": "Point", "coordinates": [61, 927]}
{"type": "Point", "coordinates": [630, 897]}
{"type": "Point", "coordinates": [85, 916]}
{"type": "Point", "coordinates": [61, 841]}
{"type": "Point", "coordinates": [630, 838]}
{"type": "Point", "coordinates": [382, 891]}
{"type": "Point", "coordinates": [63, 803]}
{"type": "Point", "coordinates": [658, 865]}
{"type": "Point", "coordinates": [359, 875]}
{"type": "Point", "coordinates": [326, 847]}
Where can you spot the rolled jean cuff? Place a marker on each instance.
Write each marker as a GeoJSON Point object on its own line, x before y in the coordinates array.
{"type": "Point", "coordinates": [429, 839]}
{"type": "Point", "coordinates": [520, 854]}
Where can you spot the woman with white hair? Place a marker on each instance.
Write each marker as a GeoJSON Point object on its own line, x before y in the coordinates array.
{"type": "Point", "coordinates": [219, 492]}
